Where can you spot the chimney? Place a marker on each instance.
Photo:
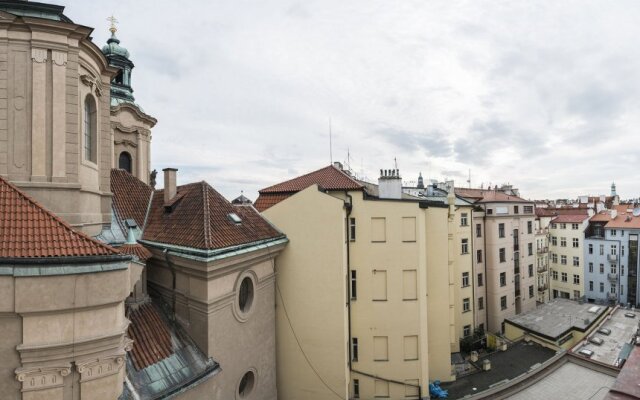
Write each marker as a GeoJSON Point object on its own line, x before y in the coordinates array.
{"type": "Point", "coordinates": [390, 184]}
{"type": "Point", "coordinates": [169, 184]}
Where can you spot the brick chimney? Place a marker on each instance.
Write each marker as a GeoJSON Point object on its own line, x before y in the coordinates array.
{"type": "Point", "coordinates": [170, 181]}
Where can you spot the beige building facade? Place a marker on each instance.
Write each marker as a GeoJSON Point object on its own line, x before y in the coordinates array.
{"type": "Point", "coordinates": [566, 238]}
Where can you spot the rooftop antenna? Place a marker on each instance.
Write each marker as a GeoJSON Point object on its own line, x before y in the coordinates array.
{"type": "Point", "coordinates": [330, 143]}
{"type": "Point", "coordinates": [469, 180]}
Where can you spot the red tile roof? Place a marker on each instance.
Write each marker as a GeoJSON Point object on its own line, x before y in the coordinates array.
{"type": "Point", "coordinates": [489, 196]}
{"type": "Point", "coordinates": [569, 218]}
{"type": "Point", "coordinates": [328, 178]}
{"type": "Point", "coordinates": [137, 250]}
{"type": "Point", "coordinates": [131, 197]}
{"type": "Point", "coordinates": [150, 335]}
{"type": "Point", "coordinates": [200, 219]}
{"type": "Point", "coordinates": [552, 211]}
{"type": "Point", "coordinates": [266, 200]}
{"type": "Point", "coordinates": [624, 218]}
{"type": "Point", "coordinates": [28, 230]}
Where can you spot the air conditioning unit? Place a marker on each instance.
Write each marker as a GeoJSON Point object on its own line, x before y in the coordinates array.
{"type": "Point", "coordinates": [486, 365]}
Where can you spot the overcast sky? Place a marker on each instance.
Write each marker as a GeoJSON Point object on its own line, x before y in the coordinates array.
{"type": "Point", "coordinates": [544, 95]}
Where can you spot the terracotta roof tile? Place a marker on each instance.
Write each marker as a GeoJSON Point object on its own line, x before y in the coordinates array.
{"type": "Point", "coordinates": [28, 230]}
{"type": "Point", "coordinates": [131, 197]}
{"type": "Point", "coordinates": [266, 200]}
{"type": "Point", "coordinates": [329, 178]}
{"type": "Point", "coordinates": [489, 196]}
{"type": "Point", "coordinates": [137, 250]}
{"type": "Point", "coordinates": [200, 219]}
{"type": "Point", "coordinates": [624, 218]}
{"type": "Point", "coordinates": [570, 218]}
{"type": "Point", "coordinates": [150, 335]}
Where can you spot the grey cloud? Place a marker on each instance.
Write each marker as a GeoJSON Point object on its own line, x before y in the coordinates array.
{"type": "Point", "coordinates": [433, 143]}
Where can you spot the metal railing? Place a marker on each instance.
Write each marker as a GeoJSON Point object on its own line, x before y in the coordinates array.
{"type": "Point", "coordinates": [612, 257]}
{"type": "Point", "coordinates": [612, 277]}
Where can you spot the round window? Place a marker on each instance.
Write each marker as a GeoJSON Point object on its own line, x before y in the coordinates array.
{"type": "Point", "coordinates": [245, 297]}
{"type": "Point", "coordinates": [246, 384]}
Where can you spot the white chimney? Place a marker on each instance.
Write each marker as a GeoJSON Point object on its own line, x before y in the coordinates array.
{"type": "Point", "coordinates": [390, 184]}
{"type": "Point", "coordinates": [170, 181]}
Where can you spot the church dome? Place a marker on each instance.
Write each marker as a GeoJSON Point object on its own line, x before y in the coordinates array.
{"type": "Point", "coordinates": [113, 48]}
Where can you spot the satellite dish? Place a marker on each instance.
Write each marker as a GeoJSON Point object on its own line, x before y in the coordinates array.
{"type": "Point", "coordinates": [636, 212]}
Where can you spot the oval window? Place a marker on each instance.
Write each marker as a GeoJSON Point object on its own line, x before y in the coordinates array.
{"type": "Point", "coordinates": [245, 297]}
{"type": "Point", "coordinates": [246, 384]}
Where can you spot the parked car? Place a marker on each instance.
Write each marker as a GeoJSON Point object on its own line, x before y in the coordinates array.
{"type": "Point", "coordinates": [596, 340]}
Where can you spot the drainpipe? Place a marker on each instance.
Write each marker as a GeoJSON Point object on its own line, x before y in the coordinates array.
{"type": "Point", "coordinates": [349, 207]}
{"type": "Point", "coordinates": [173, 284]}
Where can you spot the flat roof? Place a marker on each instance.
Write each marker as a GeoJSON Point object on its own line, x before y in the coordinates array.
{"type": "Point", "coordinates": [626, 385]}
{"type": "Point", "coordinates": [555, 319]}
{"type": "Point", "coordinates": [622, 331]}
{"type": "Point", "coordinates": [505, 365]}
{"type": "Point", "coordinates": [569, 382]}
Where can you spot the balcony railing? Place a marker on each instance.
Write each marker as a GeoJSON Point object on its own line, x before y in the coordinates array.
{"type": "Point", "coordinates": [612, 257]}
{"type": "Point", "coordinates": [542, 231]}
{"type": "Point", "coordinates": [542, 250]}
{"type": "Point", "coordinates": [612, 296]}
{"type": "Point", "coordinates": [542, 288]}
{"type": "Point", "coordinates": [612, 277]}
{"type": "Point", "coordinates": [542, 269]}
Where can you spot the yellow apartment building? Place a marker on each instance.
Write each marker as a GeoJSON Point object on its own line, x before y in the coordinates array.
{"type": "Point", "coordinates": [365, 290]}
{"type": "Point", "coordinates": [566, 236]}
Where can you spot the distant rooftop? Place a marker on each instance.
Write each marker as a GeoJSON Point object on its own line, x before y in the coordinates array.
{"type": "Point", "coordinates": [555, 319]}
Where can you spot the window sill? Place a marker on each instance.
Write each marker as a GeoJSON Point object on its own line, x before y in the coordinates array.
{"type": "Point", "coordinates": [381, 360]}
{"type": "Point", "coordinates": [410, 299]}
{"type": "Point", "coordinates": [379, 300]}
{"type": "Point", "coordinates": [467, 311]}
{"type": "Point", "coordinates": [411, 359]}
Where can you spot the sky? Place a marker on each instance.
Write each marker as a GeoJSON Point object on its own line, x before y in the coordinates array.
{"type": "Point", "coordinates": [539, 94]}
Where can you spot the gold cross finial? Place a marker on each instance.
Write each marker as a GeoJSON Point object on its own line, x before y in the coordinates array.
{"type": "Point", "coordinates": [113, 21]}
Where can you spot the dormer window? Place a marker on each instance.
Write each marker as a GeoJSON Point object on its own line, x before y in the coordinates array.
{"type": "Point", "coordinates": [234, 218]}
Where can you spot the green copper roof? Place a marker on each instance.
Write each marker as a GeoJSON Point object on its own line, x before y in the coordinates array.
{"type": "Point", "coordinates": [113, 47]}
{"type": "Point", "coordinates": [35, 10]}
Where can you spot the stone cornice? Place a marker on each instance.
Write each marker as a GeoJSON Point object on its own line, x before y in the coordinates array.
{"type": "Point", "coordinates": [126, 143]}
{"type": "Point", "coordinates": [100, 367]}
{"type": "Point", "coordinates": [139, 113]}
{"type": "Point", "coordinates": [134, 129]}
{"type": "Point", "coordinates": [39, 378]}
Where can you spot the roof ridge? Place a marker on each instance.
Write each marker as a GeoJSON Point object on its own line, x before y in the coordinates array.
{"type": "Point", "coordinates": [205, 214]}
{"type": "Point", "coordinates": [56, 218]}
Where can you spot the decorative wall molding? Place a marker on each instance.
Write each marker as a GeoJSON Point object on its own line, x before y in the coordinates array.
{"type": "Point", "coordinates": [93, 83]}
{"type": "Point", "coordinates": [100, 367]}
{"type": "Point", "coordinates": [38, 55]}
{"type": "Point", "coordinates": [133, 129]}
{"type": "Point", "coordinates": [39, 378]}
{"type": "Point", "coordinates": [59, 58]}
{"type": "Point", "coordinates": [126, 143]}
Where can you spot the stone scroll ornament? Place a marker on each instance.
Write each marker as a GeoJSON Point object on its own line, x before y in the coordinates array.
{"type": "Point", "coordinates": [40, 378]}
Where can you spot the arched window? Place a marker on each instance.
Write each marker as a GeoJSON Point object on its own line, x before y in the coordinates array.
{"type": "Point", "coordinates": [90, 130]}
{"type": "Point", "coordinates": [124, 162]}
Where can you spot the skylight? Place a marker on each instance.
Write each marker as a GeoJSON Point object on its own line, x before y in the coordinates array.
{"type": "Point", "coordinates": [234, 218]}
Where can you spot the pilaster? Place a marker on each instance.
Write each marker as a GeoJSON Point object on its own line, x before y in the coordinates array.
{"type": "Point", "coordinates": [58, 170]}
{"type": "Point", "coordinates": [38, 114]}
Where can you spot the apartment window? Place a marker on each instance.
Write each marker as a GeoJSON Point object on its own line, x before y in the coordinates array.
{"type": "Point", "coordinates": [503, 279]}
{"type": "Point", "coordinates": [379, 285]}
{"type": "Point", "coordinates": [528, 209]}
{"type": "Point", "coordinates": [465, 279]}
{"type": "Point", "coordinates": [576, 261]}
{"type": "Point", "coordinates": [503, 255]}
{"type": "Point", "coordinates": [480, 303]}
{"type": "Point", "coordinates": [563, 242]}
{"type": "Point", "coordinates": [576, 279]}
{"type": "Point", "coordinates": [378, 229]}
{"type": "Point", "coordinates": [614, 250]}
{"type": "Point", "coordinates": [352, 229]}
{"type": "Point", "coordinates": [563, 260]}
{"type": "Point", "coordinates": [530, 291]}
{"type": "Point", "coordinates": [601, 249]}
{"type": "Point", "coordinates": [463, 219]}
{"type": "Point", "coordinates": [622, 250]}
{"type": "Point", "coordinates": [622, 289]}
{"type": "Point", "coordinates": [591, 286]}
{"type": "Point", "coordinates": [554, 241]}
{"type": "Point", "coordinates": [480, 280]}
{"type": "Point", "coordinates": [354, 288]}
{"type": "Point", "coordinates": [356, 388]}
{"type": "Point", "coordinates": [479, 256]}
{"type": "Point", "coordinates": [501, 230]}
{"type": "Point", "coordinates": [601, 287]}
{"type": "Point", "coordinates": [466, 305]}
{"type": "Point", "coordinates": [590, 267]}
{"type": "Point", "coordinates": [530, 270]}
{"type": "Point", "coordinates": [554, 226]}
{"type": "Point", "coordinates": [613, 290]}
{"type": "Point", "coordinates": [503, 302]}
{"type": "Point", "coordinates": [380, 348]}
{"type": "Point", "coordinates": [530, 248]}
{"type": "Point", "coordinates": [576, 242]}
{"type": "Point", "coordinates": [613, 232]}
{"type": "Point", "coordinates": [554, 258]}
{"type": "Point", "coordinates": [590, 248]}
{"type": "Point", "coordinates": [516, 209]}
{"type": "Point", "coordinates": [602, 268]}
{"type": "Point", "coordinates": [563, 226]}
{"type": "Point", "coordinates": [576, 294]}
{"type": "Point", "coordinates": [563, 277]}
{"type": "Point", "coordinates": [478, 230]}
{"type": "Point", "coordinates": [489, 211]}
{"type": "Point", "coordinates": [90, 130]}
{"type": "Point", "coordinates": [410, 348]}
{"type": "Point", "coordinates": [554, 275]}
{"type": "Point", "coordinates": [622, 270]}
{"type": "Point", "coordinates": [354, 349]}
{"type": "Point", "coordinates": [466, 331]}
{"type": "Point", "coordinates": [464, 246]}
{"type": "Point", "coordinates": [574, 226]}
{"type": "Point", "coordinates": [614, 269]}
{"type": "Point", "coordinates": [529, 226]}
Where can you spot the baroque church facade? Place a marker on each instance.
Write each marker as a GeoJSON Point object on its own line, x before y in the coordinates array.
{"type": "Point", "coordinates": [109, 288]}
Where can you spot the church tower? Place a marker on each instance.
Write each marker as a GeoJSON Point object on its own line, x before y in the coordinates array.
{"type": "Point", "coordinates": [613, 189]}
{"type": "Point", "coordinates": [130, 125]}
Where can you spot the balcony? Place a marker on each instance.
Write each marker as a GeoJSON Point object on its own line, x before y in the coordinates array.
{"type": "Point", "coordinates": [612, 277]}
{"type": "Point", "coordinates": [517, 292]}
{"type": "Point", "coordinates": [542, 231]}
{"type": "Point", "coordinates": [612, 296]}
{"type": "Point", "coordinates": [542, 250]}
{"type": "Point", "coordinates": [542, 288]}
{"type": "Point", "coordinates": [542, 269]}
{"type": "Point", "coordinates": [612, 257]}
